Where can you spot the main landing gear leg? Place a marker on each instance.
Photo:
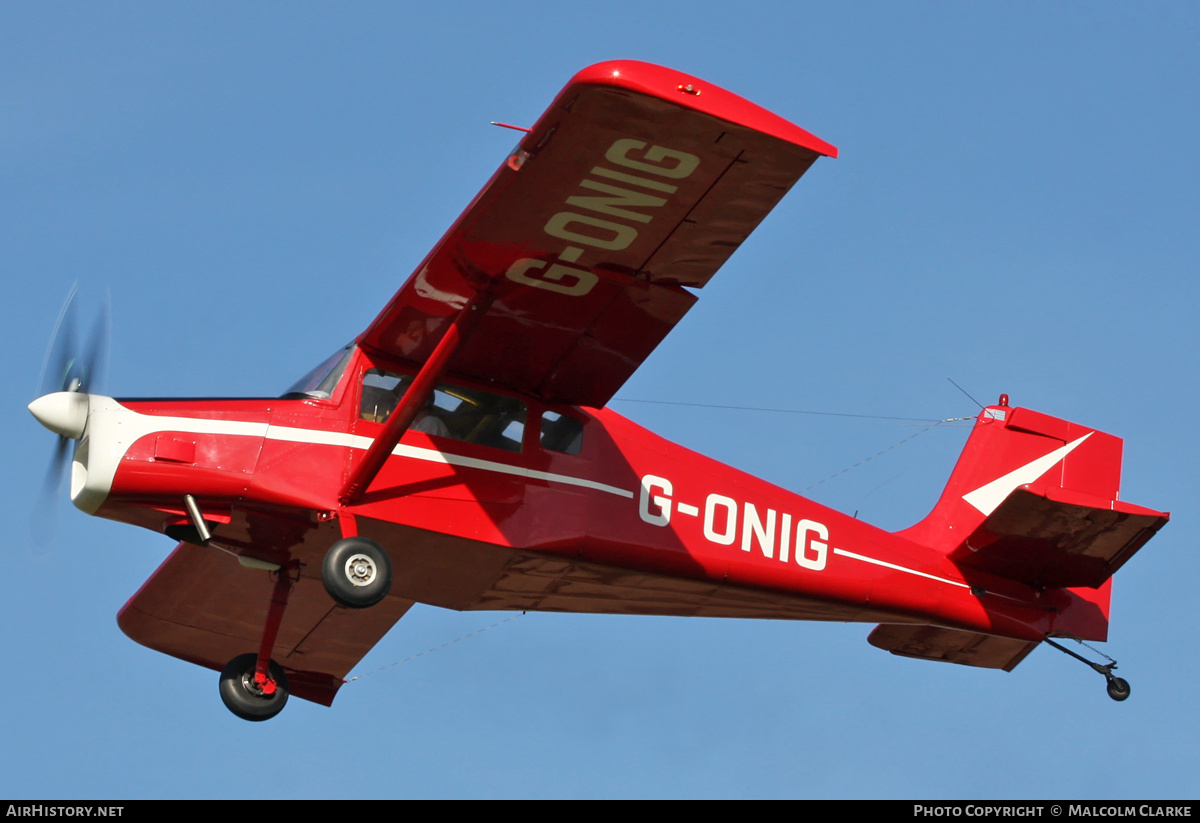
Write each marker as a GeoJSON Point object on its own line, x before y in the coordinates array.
{"type": "Point", "coordinates": [1118, 687]}
{"type": "Point", "coordinates": [253, 686]}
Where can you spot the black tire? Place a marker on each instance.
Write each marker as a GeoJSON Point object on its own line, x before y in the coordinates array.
{"type": "Point", "coordinates": [357, 572]}
{"type": "Point", "coordinates": [242, 696]}
{"type": "Point", "coordinates": [1118, 688]}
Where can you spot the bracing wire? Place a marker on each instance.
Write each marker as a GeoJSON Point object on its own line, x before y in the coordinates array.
{"type": "Point", "coordinates": [776, 411]}
{"type": "Point", "coordinates": [885, 451]}
{"type": "Point", "coordinates": [435, 648]}
{"type": "Point", "coordinates": [932, 425]}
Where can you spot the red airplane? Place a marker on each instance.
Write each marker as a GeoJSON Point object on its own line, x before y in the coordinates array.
{"type": "Point", "coordinates": [458, 452]}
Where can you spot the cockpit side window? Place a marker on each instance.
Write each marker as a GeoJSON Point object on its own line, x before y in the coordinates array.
{"type": "Point", "coordinates": [455, 412]}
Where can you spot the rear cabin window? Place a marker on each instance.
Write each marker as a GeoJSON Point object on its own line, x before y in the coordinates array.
{"type": "Point", "coordinates": [561, 433]}
{"type": "Point", "coordinates": [469, 415]}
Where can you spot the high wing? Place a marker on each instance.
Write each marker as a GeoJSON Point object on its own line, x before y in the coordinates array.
{"type": "Point", "coordinates": [635, 186]}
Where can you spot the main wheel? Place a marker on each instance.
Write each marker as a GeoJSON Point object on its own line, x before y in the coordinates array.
{"type": "Point", "coordinates": [357, 572]}
{"type": "Point", "coordinates": [243, 696]}
{"type": "Point", "coordinates": [1118, 688]}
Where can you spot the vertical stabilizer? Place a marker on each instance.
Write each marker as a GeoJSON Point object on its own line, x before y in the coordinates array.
{"type": "Point", "coordinates": [1013, 448]}
{"type": "Point", "coordinates": [1035, 499]}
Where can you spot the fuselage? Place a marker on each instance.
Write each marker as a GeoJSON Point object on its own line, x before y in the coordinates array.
{"type": "Point", "coordinates": [526, 506]}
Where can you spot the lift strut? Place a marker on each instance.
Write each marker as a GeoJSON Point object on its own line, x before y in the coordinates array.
{"type": "Point", "coordinates": [415, 398]}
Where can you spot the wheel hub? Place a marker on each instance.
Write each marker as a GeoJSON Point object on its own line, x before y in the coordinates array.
{"type": "Point", "coordinates": [360, 570]}
{"type": "Point", "coordinates": [252, 686]}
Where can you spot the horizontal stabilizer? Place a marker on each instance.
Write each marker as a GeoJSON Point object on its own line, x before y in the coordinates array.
{"type": "Point", "coordinates": [986, 651]}
{"type": "Point", "coordinates": [1058, 538]}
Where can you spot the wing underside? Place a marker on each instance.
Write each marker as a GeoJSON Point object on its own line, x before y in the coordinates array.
{"type": "Point", "coordinates": [203, 606]}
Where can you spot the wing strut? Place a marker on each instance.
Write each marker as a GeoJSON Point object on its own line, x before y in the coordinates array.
{"type": "Point", "coordinates": [415, 398]}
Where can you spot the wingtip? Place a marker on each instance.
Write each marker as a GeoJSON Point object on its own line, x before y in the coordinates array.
{"type": "Point", "coordinates": [695, 93]}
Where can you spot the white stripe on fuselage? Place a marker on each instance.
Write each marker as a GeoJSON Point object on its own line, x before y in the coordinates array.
{"type": "Point", "coordinates": [907, 570]}
{"type": "Point", "coordinates": [117, 428]}
{"type": "Point", "coordinates": [887, 565]}
{"type": "Point", "coordinates": [355, 441]}
{"type": "Point", "coordinates": [121, 427]}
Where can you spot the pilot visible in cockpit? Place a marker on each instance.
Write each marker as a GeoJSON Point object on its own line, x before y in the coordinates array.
{"type": "Point", "coordinates": [378, 404]}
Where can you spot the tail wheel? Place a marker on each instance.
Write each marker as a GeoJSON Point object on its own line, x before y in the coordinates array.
{"type": "Point", "coordinates": [357, 572]}
{"type": "Point", "coordinates": [1118, 688]}
{"type": "Point", "coordinates": [246, 696]}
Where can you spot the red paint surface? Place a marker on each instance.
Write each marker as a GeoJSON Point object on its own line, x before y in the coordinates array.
{"type": "Point", "coordinates": [472, 527]}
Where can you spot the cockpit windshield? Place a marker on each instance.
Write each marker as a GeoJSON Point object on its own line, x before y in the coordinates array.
{"type": "Point", "coordinates": [321, 381]}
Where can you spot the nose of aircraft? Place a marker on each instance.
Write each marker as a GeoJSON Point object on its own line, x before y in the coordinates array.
{"type": "Point", "coordinates": [62, 412]}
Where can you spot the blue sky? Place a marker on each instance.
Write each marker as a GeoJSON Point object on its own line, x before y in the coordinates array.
{"type": "Point", "coordinates": [1014, 207]}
